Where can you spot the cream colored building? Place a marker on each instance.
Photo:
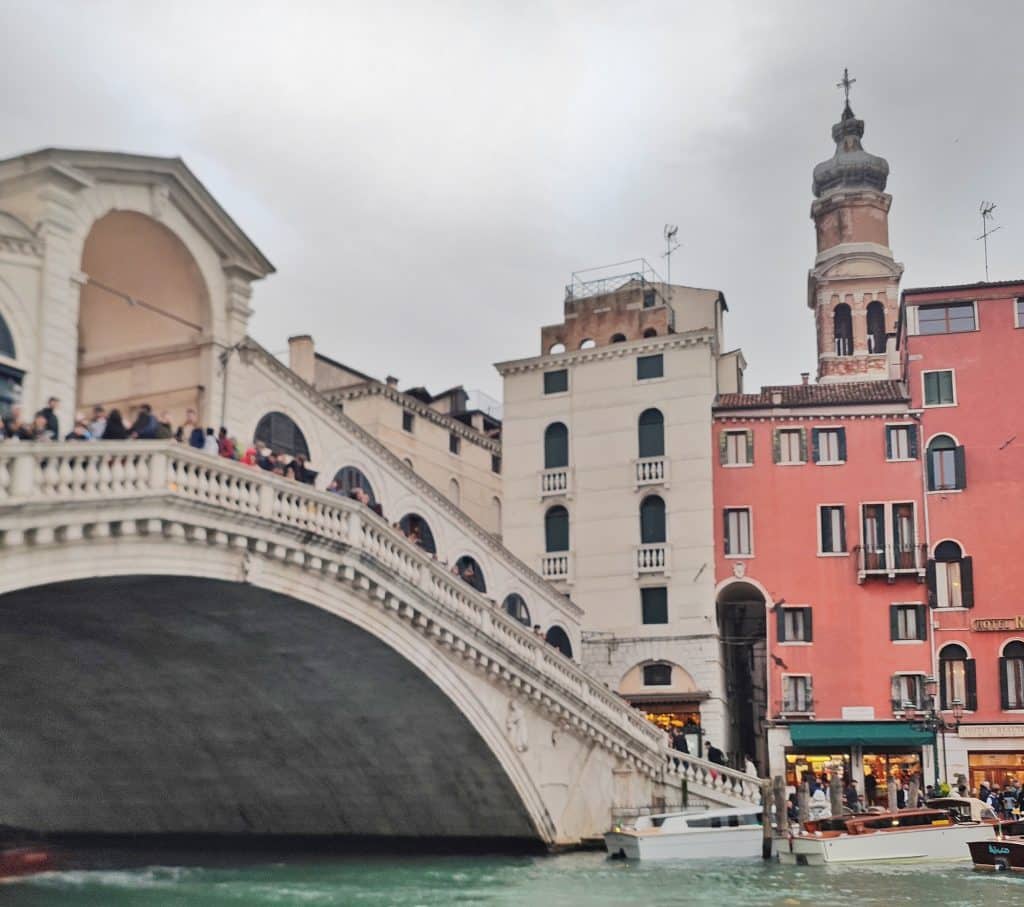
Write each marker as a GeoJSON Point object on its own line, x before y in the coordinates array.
{"type": "Point", "coordinates": [608, 484]}
{"type": "Point", "coordinates": [453, 446]}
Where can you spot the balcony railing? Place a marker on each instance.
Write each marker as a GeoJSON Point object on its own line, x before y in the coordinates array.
{"type": "Point", "coordinates": [652, 558]}
{"type": "Point", "coordinates": [796, 707]}
{"type": "Point", "coordinates": [891, 562]}
{"type": "Point", "coordinates": [651, 471]}
{"type": "Point", "coordinates": [555, 482]}
{"type": "Point", "coordinates": [556, 566]}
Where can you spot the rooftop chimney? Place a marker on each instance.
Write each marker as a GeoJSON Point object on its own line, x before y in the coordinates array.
{"type": "Point", "coordinates": [805, 377]}
{"type": "Point", "coordinates": [302, 357]}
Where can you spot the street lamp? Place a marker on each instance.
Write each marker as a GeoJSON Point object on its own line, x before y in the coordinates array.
{"type": "Point", "coordinates": [931, 720]}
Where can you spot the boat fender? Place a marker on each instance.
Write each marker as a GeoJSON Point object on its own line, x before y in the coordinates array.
{"type": "Point", "coordinates": [1000, 864]}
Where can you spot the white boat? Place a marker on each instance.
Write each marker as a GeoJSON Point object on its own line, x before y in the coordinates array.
{"type": "Point", "coordinates": [940, 831]}
{"type": "Point", "coordinates": [717, 833]}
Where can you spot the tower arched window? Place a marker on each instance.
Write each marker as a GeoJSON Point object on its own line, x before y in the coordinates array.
{"type": "Point", "coordinates": [515, 606]}
{"type": "Point", "coordinates": [876, 327]}
{"type": "Point", "coordinates": [946, 465]}
{"type": "Point", "coordinates": [349, 478]}
{"type": "Point", "coordinates": [556, 446]}
{"type": "Point", "coordinates": [652, 520]}
{"type": "Point", "coordinates": [417, 530]}
{"type": "Point", "coordinates": [470, 571]}
{"type": "Point", "coordinates": [956, 678]}
{"type": "Point", "coordinates": [278, 432]}
{"type": "Point", "coordinates": [651, 433]}
{"type": "Point", "coordinates": [1011, 675]}
{"type": "Point", "coordinates": [6, 340]}
{"type": "Point", "coordinates": [842, 330]}
{"type": "Point", "coordinates": [950, 577]}
{"type": "Point", "coordinates": [618, 338]}
{"type": "Point", "coordinates": [10, 377]}
{"type": "Point", "coordinates": [558, 638]}
{"type": "Point", "coordinates": [556, 529]}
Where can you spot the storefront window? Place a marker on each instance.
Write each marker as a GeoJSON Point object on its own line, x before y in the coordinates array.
{"type": "Point", "coordinates": [880, 767]}
{"type": "Point", "coordinates": [800, 766]}
{"type": "Point", "coordinates": [674, 717]}
{"type": "Point", "coordinates": [995, 768]}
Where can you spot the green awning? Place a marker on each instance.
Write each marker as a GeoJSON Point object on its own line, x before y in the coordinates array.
{"type": "Point", "coordinates": [857, 733]}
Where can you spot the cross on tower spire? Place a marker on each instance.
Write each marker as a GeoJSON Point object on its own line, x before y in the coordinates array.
{"type": "Point", "coordinates": [845, 84]}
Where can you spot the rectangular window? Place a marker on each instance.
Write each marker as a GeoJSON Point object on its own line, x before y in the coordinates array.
{"type": "Point", "coordinates": [833, 529]}
{"type": "Point", "coordinates": [654, 604]}
{"type": "Point", "coordinates": [650, 367]}
{"type": "Point", "coordinates": [946, 318]}
{"type": "Point", "coordinates": [1018, 307]}
{"type": "Point", "coordinates": [1013, 682]}
{"type": "Point", "coordinates": [407, 420]}
{"type": "Point", "coordinates": [829, 445]}
{"type": "Point", "coordinates": [907, 689]}
{"type": "Point", "coordinates": [938, 388]}
{"type": "Point", "coordinates": [904, 539]}
{"type": "Point", "coordinates": [873, 535]}
{"type": "Point", "coordinates": [496, 464]}
{"type": "Point", "coordinates": [900, 442]}
{"type": "Point", "coordinates": [794, 625]}
{"type": "Point", "coordinates": [907, 622]}
{"type": "Point", "coordinates": [790, 446]}
{"type": "Point", "coordinates": [737, 531]}
{"type": "Point", "coordinates": [739, 448]}
{"type": "Point", "coordinates": [556, 382]}
{"type": "Point", "coordinates": [797, 693]}
{"type": "Point", "coordinates": [657, 675]}
{"type": "Point", "coordinates": [649, 299]}
{"type": "Point", "coordinates": [454, 443]}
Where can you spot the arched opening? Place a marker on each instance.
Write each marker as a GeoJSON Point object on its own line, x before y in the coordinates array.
{"type": "Point", "coordinates": [588, 344]}
{"type": "Point", "coordinates": [876, 327]}
{"type": "Point", "coordinates": [651, 433]}
{"type": "Point", "coordinates": [742, 627]}
{"type": "Point", "coordinates": [842, 330]}
{"type": "Point", "coordinates": [558, 638]}
{"type": "Point", "coordinates": [350, 480]}
{"type": "Point", "coordinates": [556, 446]}
{"type": "Point", "coordinates": [417, 530]}
{"type": "Point", "coordinates": [652, 520]}
{"type": "Point", "coordinates": [141, 317]}
{"type": "Point", "coordinates": [470, 571]}
{"type": "Point", "coordinates": [957, 682]}
{"type": "Point", "coordinates": [950, 577]}
{"type": "Point", "coordinates": [556, 529]}
{"type": "Point", "coordinates": [650, 332]}
{"type": "Point", "coordinates": [1011, 675]}
{"type": "Point", "coordinates": [556, 348]}
{"type": "Point", "coordinates": [10, 377]}
{"type": "Point", "coordinates": [945, 464]}
{"type": "Point", "coordinates": [496, 514]}
{"type": "Point", "coordinates": [454, 492]}
{"type": "Point", "coordinates": [515, 606]}
{"type": "Point", "coordinates": [618, 338]}
{"type": "Point", "coordinates": [278, 432]}
{"type": "Point", "coordinates": [668, 696]}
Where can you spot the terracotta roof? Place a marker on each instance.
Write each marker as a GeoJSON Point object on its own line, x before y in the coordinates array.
{"type": "Point", "coordinates": [845, 393]}
{"type": "Point", "coordinates": [981, 285]}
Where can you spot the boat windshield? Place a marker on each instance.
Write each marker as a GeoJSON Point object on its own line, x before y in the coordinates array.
{"type": "Point", "coordinates": [733, 820]}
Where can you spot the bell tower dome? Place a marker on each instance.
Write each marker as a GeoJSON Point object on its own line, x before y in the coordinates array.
{"type": "Point", "coordinates": [853, 287]}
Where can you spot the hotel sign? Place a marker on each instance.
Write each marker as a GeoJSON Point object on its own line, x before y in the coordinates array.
{"type": "Point", "coordinates": [996, 624]}
{"type": "Point", "coordinates": [991, 730]}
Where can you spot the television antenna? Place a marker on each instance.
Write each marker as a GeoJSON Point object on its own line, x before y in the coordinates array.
{"type": "Point", "coordinates": [986, 217]}
{"type": "Point", "coordinates": [671, 244]}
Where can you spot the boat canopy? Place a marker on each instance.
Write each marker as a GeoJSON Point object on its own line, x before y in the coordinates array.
{"type": "Point", "coordinates": [857, 733]}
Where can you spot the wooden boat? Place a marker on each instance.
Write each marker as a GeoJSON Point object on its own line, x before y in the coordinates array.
{"type": "Point", "coordinates": [713, 833]}
{"type": "Point", "coordinates": [25, 859]}
{"type": "Point", "coordinates": [1000, 854]}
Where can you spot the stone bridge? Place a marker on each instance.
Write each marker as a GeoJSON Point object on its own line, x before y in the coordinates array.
{"type": "Point", "coordinates": [193, 646]}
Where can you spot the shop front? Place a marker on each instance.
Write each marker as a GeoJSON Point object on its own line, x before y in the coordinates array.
{"type": "Point", "coordinates": [869, 752]}
{"type": "Point", "coordinates": [993, 753]}
{"type": "Point", "coordinates": [673, 714]}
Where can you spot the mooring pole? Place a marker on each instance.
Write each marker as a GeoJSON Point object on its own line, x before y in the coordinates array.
{"type": "Point", "coordinates": [803, 803]}
{"type": "Point", "coordinates": [766, 819]}
{"type": "Point", "coordinates": [892, 795]}
{"type": "Point", "coordinates": [835, 793]}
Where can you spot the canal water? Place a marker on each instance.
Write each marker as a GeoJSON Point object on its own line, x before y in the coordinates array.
{"type": "Point", "coordinates": [560, 881]}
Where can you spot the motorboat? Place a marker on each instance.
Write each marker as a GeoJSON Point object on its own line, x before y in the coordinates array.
{"type": "Point", "coordinates": [998, 854]}
{"type": "Point", "coordinates": [25, 859]}
{"type": "Point", "coordinates": [938, 831]}
{"type": "Point", "coordinates": [716, 833]}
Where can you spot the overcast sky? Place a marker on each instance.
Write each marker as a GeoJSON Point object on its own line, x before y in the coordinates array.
{"type": "Point", "coordinates": [427, 176]}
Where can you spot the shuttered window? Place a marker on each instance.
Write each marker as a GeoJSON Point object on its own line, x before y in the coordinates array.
{"type": "Point", "coordinates": [938, 389]}
{"type": "Point", "coordinates": [737, 448]}
{"type": "Point", "coordinates": [654, 604]}
{"type": "Point", "coordinates": [900, 442]}
{"type": "Point", "coordinates": [789, 445]}
{"type": "Point", "coordinates": [1011, 676]}
{"type": "Point", "coordinates": [650, 367]}
{"type": "Point", "coordinates": [829, 445]}
{"type": "Point", "coordinates": [833, 529]}
{"type": "Point", "coordinates": [738, 539]}
{"type": "Point", "coordinates": [556, 382]}
{"type": "Point", "coordinates": [794, 625]}
{"type": "Point", "coordinates": [908, 622]}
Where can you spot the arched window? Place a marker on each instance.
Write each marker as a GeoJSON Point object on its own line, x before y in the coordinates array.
{"type": "Point", "coordinates": [496, 513]}
{"type": "Point", "coordinates": [470, 571]}
{"type": "Point", "coordinates": [556, 446]}
{"type": "Point", "coordinates": [417, 530]}
{"type": "Point", "coordinates": [946, 466]}
{"type": "Point", "coordinates": [876, 327]}
{"type": "Point", "coordinates": [588, 344]}
{"type": "Point", "coordinates": [1011, 675]}
{"type": "Point", "coordinates": [556, 529]}
{"type": "Point", "coordinates": [842, 330]}
{"type": "Point", "coordinates": [558, 638]}
{"type": "Point", "coordinates": [6, 340]}
{"type": "Point", "coordinates": [651, 332]}
{"type": "Point", "coordinates": [556, 348]}
{"type": "Point", "coordinates": [651, 433]}
{"type": "Point", "coordinates": [10, 377]}
{"type": "Point", "coordinates": [618, 338]}
{"type": "Point", "coordinates": [348, 479]}
{"type": "Point", "coordinates": [454, 492]}
{"type": "Point", "coordinates": [652, 520]}
{"type": "Point", "coordinates": [515, 606]}
{"type": "Point", "coordinates": [950, 577]}
{"type": "Point", "coordinates": [658, 675]}
{"type": "Point", "coordinates": [956, 678]}
{"type": "Point", "coordinates": [278, 432]}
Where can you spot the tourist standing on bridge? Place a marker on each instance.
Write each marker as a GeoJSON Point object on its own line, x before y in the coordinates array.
{"type": "Point", "coordinates": [49, 414]}
{"type": "Point", "coordinates": [98, 423]}
{"type": "Point", "coordinates": [145, 425]}
{"type": "Point", "coordinates": [715, 754]}
{"type": "Point", "coordinates": [114, 429]}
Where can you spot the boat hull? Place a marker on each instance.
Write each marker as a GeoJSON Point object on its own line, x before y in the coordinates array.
{"type": "Point", "coordinates": [719, 843]}
{"type": "Point", "coordinates": [998, 854]}
{"type": "Point", "coordinates": [910, 844]}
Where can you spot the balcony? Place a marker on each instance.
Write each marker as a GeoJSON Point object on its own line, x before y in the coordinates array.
{"type": "Point", "coordinates": [556, 482]}
{"type": "Point", "coordinates": [651, 471]}
{"type": "Point", "coordinates": [652, 559]}
{"type": "Point", "coordinates": [797, 707]}
{"type": "Point", "coordinates": [891, 562]}
{"type": "Point", "coordinates": [556, 567]}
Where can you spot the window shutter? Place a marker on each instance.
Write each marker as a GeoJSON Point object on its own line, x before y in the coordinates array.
{"type": "Point", "coordinates": [776, 446]}
{"type": "Point", "coordinates": [912, 441]}
{"type": "Point", "coordinates": [808, 626]}
{"type": "Point", "coordinates": [810, 694]}
{"type": "Point", "coordinates": [1004, 687]}
{"type": "Point", "coordinates": [921, 618]}
{"type": "Point", "coordinates": [967, 581]}
{"type": "Point", "coordinates": [725, 531]}
{"type": "Point", "coordinates": [842, 444]}
{"type": "Point", "coordinates": [894, 622]}
{"type": "Point", "coordinates": [931, 387]}
{"type": "Point", "coordinates": [894, 693]}
{"type": "Point", "coordinates": [888, 442]}
{"type": "Point", "coordinates": [815, 446]}
{"type": "Point", "coordinates": [930, 468]}
{"type": "Point", "coordinates": [803, 444]}
{"type": "Point", "coordinates": [825, 518]}
{"type": "Point", "coordinates": [723, 445]}
{"type": "Point", "coordinates": [750, 445]}
{"type": "Point", "coordinates": [971, 682]}
{"type": "Point", "coordinates": [842, 529]}
{"type": "Point", "coordinates": [943, 692]}
{"type": "Point", "coordinates": [960, 467]}
{"type": "Point", "coordinates": [929, 579]}
{"type": "Point", "coordinates": [780, 625]}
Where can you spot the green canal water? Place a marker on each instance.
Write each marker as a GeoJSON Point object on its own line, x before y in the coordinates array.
{"type": "Point", "coordinates": [496, 881]}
